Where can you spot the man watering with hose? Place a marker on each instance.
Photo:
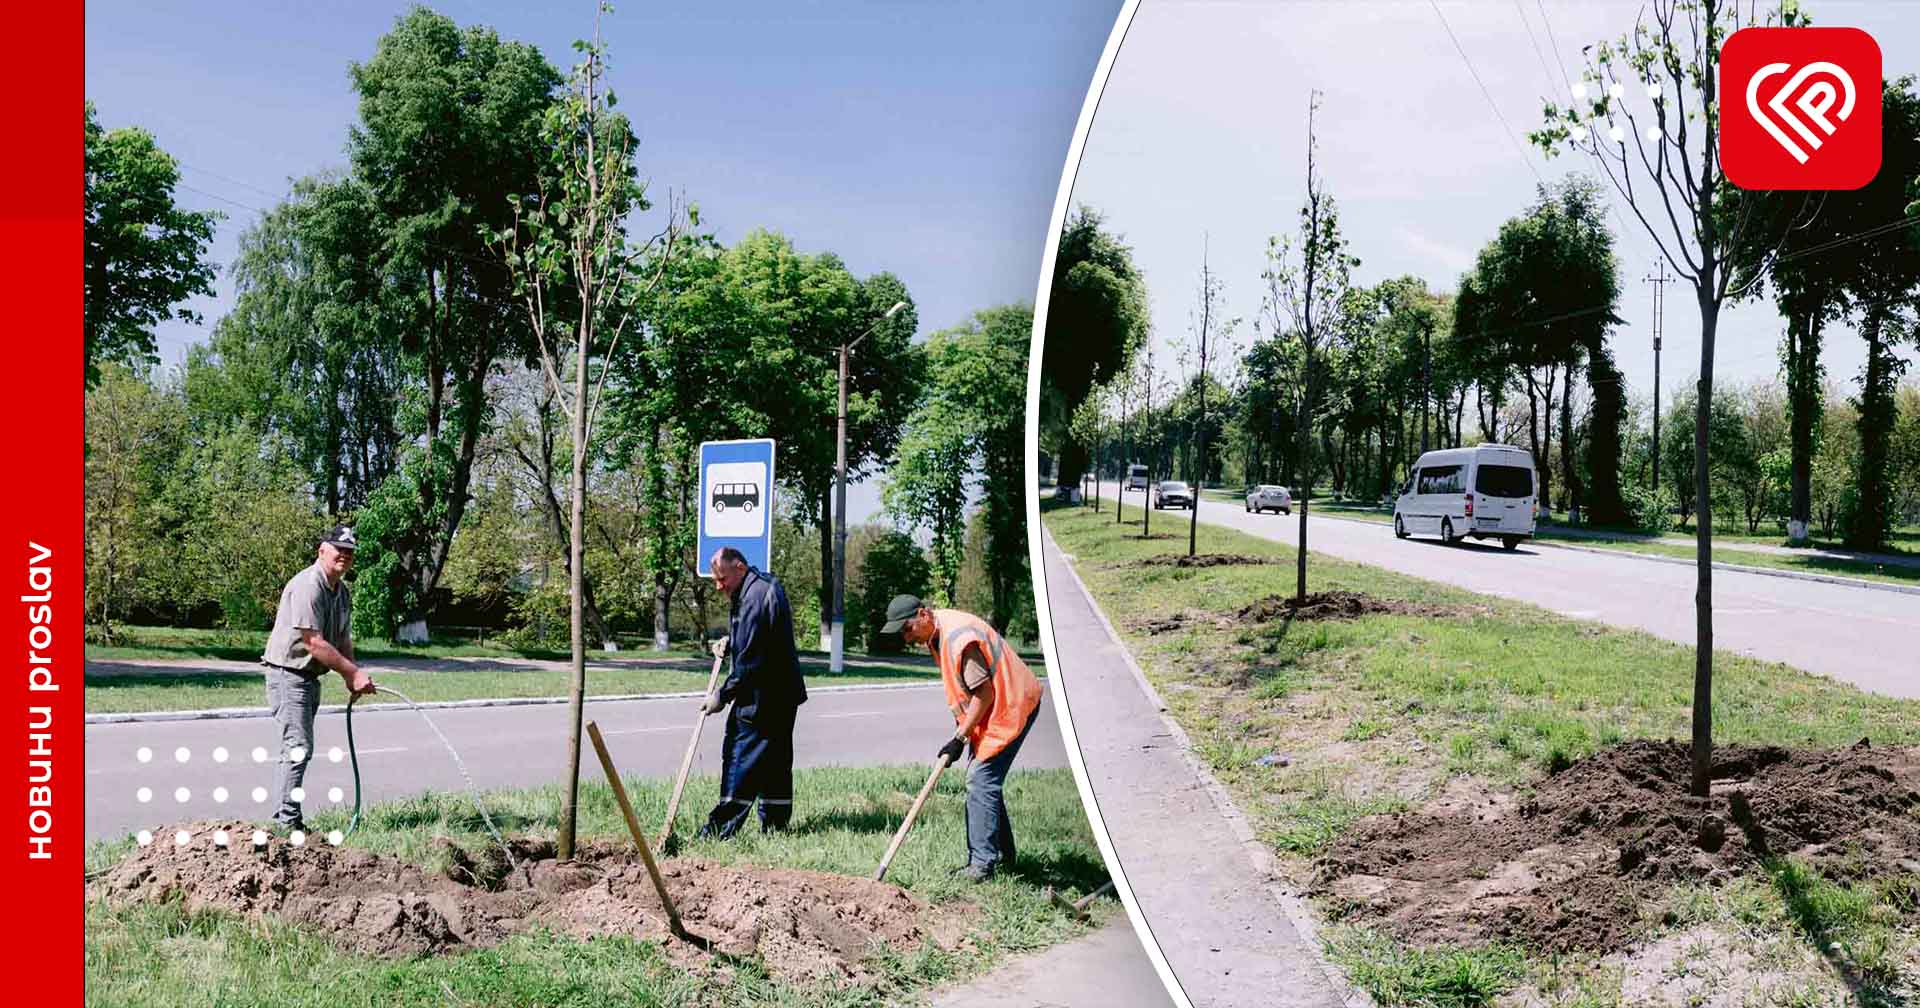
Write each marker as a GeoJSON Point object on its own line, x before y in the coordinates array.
{"type": "Point", "coordinates": [312, 632]}
{"type": "Point", "coordinates": [994, 699]}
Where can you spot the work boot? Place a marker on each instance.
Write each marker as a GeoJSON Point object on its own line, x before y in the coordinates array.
{"type": "Point", "coordinates": [976, 873]}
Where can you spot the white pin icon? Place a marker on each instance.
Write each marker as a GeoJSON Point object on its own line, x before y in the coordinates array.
{"type": "Point", "coordinates": [1815, 102]}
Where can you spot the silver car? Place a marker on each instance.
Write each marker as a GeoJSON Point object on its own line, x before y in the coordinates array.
{"type": "Point", "coordinates": [1273, 498]}
{"type": "Point", "coordinates": [1171, 493]}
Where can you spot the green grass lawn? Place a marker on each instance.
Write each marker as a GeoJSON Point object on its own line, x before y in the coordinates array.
{"type": "Point", "coordinates": [165, 955]}
{"type": "Point", "coordinates": [160, 690]}
{"type": "Point", "coordinates": [1381, 713]}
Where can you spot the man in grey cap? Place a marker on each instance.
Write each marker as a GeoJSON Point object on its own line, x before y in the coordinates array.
{"type": "Point", "coordinates": [312, 632]}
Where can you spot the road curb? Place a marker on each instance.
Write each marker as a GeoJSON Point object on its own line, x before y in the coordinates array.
{"type": "Point", "coordinates": [1264, 863]}
{"type": "Point", "coordinates": [225, 713]}
{"type": "Point", "coordinates": [1835, 579]}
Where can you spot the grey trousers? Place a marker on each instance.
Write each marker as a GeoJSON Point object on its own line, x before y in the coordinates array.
{"type": "Point", "coordinates": [294, 699]}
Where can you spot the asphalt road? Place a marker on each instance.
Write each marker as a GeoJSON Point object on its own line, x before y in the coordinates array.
{"type": "Point", "coordinates": [502, 746]}
{"type": "Point", "coordinates": [1858, 635]}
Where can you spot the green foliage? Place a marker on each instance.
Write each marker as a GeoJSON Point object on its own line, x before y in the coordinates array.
{"type": "Point", "coordinates": [144, 255]}
{"type": "Point", "coordinates": [407, 507]}
{"type": "Point", "coordinates": [1651, 508]}
{"type": "Point", "coordinates": [133, 432]}
{"type": "Point", "coordinates": [1096, 319]}
{"type": "Point", "coordinates": [971, 419]}
{"type": "Point", "coordinates": [894, 565]}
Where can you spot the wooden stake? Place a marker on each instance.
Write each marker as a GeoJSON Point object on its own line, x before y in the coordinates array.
{"type": "Point", "coordinates": [686, 762]}
{"type": "Point", "coordinates": [912, 814]}
{"type": "Point", "coordinates": [633, 826]}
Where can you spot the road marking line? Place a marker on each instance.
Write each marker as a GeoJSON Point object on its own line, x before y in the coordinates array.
{"type": "Point", "coordinates": [863, 713]}
{"type": "Point", "coordinates": [639, 731]}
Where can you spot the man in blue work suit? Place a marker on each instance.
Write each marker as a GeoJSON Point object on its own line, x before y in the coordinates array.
{"type": "Point", "coordinates": [765, 689]}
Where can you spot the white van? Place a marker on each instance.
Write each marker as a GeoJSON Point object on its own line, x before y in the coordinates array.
{"type": "Point", "coordinates": [1136, 478]}
{"type": "Point", "coordinates": [1485, 491]}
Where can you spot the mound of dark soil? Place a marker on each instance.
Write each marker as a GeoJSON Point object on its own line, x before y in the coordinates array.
{"type": "Point", "coordinates": [804, 925]}
{"type": "Point", "coordinates": [1204, 560]}
{"type": "Point", "coordinates": [1334, 605]}
{"type": "Point", "coordinates": [1569, 867]}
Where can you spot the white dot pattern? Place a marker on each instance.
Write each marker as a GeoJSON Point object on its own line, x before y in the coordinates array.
{"type": "Point", "coordinates": [259, 838]}
{"type": "Point", "coordinates": [143, 838]}
{"type": "Point", "coordinates": [334, 754]}
{"type": "Point", "coordinates": [182, 754]}
{"type": "Point", "coordinates": [144, 795]}
{"type": "Point", "coordinates": [298, 754]}
{"type": "Point", "coordinates": [143, 754]}
{"type": "Point", "coordinates": [335, 838]}
{"type": "Point", "coordinates": [182, 838]}
{"type": "Point", "coordinates": [219, 794]}
{"type": "Point", "coordinates": [298, 794]}
{"type": "Point", "coordinates": [181, 795]}
{"type": "Point", "coordinates": [220, 838]}
{"type": "Point", "coordinates": [334, 794]}
{"type": "Point", "coordinates": [259, 794]}
{"type": "Point", "coordinates": [219, 754]}
{"type": "Point", "coordinates": [298, 838]}
{"type": "Point", "coordinates": [259, 754]}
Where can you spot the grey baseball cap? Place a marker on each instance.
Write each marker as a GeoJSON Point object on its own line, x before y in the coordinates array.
{"type": "Point", "coordinates": [342, 538]}
{"type": "Point", "coordinates": [899, 611]}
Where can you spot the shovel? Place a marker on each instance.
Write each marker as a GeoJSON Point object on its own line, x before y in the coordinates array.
{"type": "Point", "coordinates": [686, 762]}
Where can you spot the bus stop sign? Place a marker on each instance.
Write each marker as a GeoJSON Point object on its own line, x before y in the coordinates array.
{"type": "Point", "coordinates": [736, 501]}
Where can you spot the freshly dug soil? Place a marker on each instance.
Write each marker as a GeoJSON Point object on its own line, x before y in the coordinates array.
{"type": "Point", "coordinates": [1570, 866]}
{"type": "Point", "coordinates": [1336, 605]}
{"type": "Point", "coordinates": [805, 926]}
{"type": "Point", "coordinates": [1205, 560]}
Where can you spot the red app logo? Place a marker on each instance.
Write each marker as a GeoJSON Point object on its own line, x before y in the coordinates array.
{"type": "Point", "coordinates": [1800, 108]}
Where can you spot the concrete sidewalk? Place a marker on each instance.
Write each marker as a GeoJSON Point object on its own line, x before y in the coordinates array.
{"type": "Point", "coordinates": [1232, 933]}
{"type": "Point", "coordinates": [1106, 968]}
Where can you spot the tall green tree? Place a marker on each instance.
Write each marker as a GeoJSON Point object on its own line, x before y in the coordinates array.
{"type": "Point", "coordinates": [966, 438]}
{"type": "Point", "coordinates": [450, 127]}
{"type": "Point", "coordinates": [1884, 284]}
{"type": "Point", "coordinates": [1096, 319]}
{"type": "Point", "coordinates": [144, 254]}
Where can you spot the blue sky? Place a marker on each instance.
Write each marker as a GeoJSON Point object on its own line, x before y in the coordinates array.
{"type": "Point", "coordinates": [922, 138]}
{"type": "Point", "coordinates": [1200, 135]}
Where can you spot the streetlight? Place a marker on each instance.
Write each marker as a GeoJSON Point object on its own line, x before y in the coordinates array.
{"type": "Point", "coordinates": [837, 646]}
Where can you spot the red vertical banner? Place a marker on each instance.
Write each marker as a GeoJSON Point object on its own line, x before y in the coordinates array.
{"type": "Point", "coordinates": [41, 254]}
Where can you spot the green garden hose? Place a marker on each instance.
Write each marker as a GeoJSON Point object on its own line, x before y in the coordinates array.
{"type": "Point", "coordinates": [472, 791]}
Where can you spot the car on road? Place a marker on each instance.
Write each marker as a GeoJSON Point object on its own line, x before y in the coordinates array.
{"type": "Point", "coordinates": [1482, 492]}
{"type": "Point", "coordinates": [745, 496]}
{"type": "Point", "coordinates": [1136, 479]}
{"type": "Point", "coordinates": [1266, 497]}
{"type": "Point", "coordinates": [1172, 493]}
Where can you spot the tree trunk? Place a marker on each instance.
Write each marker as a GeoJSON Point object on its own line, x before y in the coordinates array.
{"type": "Point", "coordinates": [1605, 505]}
{"type": "Point", "coordinates": [1803, 406]}
{"type": "Point", "coordinates": [1870, 520]}
{"type": "Point", "coordinates": [1702, 752]}
{"type": "Point", "coordinates": [576, 612]}
{"type": "Point", "coordinates": [1566, 446]}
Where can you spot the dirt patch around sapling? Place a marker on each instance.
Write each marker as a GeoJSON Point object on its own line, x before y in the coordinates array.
{"type": "Point", "coordinates": [1570, 866]}
{"type": "Point", "coordinates": [1345, 605]}
{"type": "Point", "coordinates": [805, 926]}
{"type": "Point", "coordinates": [1205, 560]}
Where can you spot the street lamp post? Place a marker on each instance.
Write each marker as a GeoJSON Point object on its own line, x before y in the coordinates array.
{"type": "Point", "coordinates": [838, 644]}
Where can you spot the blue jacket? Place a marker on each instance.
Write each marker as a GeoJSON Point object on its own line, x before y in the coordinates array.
{"type": "Point", "coordinates": [766, 664]}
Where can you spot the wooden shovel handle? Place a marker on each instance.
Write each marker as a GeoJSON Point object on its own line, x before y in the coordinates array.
{"type": "Point", "coordinates": [633, 826]}
{"type": "Point", "coordinates": [686, 762]}
{"type": "Point", "coordinates": [913, 813]}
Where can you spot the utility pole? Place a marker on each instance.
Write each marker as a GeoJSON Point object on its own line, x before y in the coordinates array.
{"type": "Point", "coordinates": [837, 645]}
{"type": "Point", "coordinates": [1659, 278]}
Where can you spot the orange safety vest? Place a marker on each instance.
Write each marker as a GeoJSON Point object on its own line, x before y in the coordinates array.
{"type": "Point", "coordinates": [1016, 693]}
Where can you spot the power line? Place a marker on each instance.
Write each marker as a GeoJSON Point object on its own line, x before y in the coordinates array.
{"type": "Point", "coordinates": [1487, 94]}
{"type": "Point", "coordinates": [1548, 71]}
